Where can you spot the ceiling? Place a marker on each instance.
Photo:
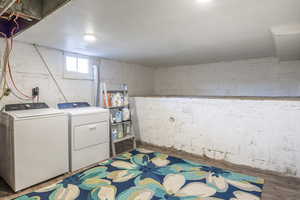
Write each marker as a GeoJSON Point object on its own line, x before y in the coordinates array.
{"type": "Point", "coordinates": [166, 32]}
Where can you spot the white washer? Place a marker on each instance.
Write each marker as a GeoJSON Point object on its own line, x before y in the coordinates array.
{"type": "Point", "coordinates": [88, 135]}
{"type": "Point", "coordinates": [33, 144]}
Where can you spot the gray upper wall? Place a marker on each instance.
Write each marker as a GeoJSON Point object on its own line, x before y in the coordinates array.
{"type": "Point", "coordinates": [138, 78]}
{"type": "Point", "coordinates": [254, 77]}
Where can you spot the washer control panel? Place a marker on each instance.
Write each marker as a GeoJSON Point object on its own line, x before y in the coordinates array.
{"type": "Point", "coordinates": [25, 106]}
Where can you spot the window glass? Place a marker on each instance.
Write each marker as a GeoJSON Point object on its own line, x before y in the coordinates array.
{"type": "Point", "coordinates": [71, 63]}
{"type": "Point", "coordinates": [77, 67]}
{"type": "Point", "coordinates": [83, 65]}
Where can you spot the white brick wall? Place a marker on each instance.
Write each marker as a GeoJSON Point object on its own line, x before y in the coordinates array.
{"type": "Point", "coordinates": [30, 72]}
{"type": "Point", "coordinates": [255, 77]}
{"type": "Point", "coordinates": [258, 133]}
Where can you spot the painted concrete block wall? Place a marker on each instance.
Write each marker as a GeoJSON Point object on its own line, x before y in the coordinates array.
{"type": "Point", "coordinates": [261, 134]}
{"type": "Point", "coordinates": [254, 77]}
{"type": "Point", "coordinates": [138, 78]}
{"type": "Point", "coordinates": [29, 72]}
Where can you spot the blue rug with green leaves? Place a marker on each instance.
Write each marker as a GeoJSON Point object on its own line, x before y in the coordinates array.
{"type": "Point", "coordinates": [145, 175]}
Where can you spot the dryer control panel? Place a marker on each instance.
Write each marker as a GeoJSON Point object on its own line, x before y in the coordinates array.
{"type": "Point", "coordinates": [73, 105]}
{"type": "Point", "coordinates": [25, 106]}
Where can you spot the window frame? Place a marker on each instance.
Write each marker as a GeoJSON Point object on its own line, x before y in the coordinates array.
{"type": "Point", "coordinates": [75, 74]}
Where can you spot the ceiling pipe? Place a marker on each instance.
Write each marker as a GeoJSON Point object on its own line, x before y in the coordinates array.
{"type": "Point", "coordinates": [7, 6]}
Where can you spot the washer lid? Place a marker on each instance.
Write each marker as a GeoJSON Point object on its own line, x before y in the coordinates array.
{"type": "Point", "coordinates": [35, 113]}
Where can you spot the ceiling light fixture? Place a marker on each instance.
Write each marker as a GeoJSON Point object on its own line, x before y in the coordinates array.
{"type": "Point", "coordinates": [89, 38]}
{"type": "Point", "coordinates": [204, 1]}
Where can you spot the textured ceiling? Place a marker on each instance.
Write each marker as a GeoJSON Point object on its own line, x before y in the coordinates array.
{"type": "Point", "coordinates": [166, 32]}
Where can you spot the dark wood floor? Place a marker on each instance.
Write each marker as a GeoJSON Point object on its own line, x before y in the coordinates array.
{"type": "Point", "coordinates": [277, 187]}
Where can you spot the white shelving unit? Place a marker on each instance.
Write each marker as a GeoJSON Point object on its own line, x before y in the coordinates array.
{"type": "Point", "coordinates": [113, 89]}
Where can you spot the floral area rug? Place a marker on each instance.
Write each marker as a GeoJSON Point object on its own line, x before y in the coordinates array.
{"type": "Point", "coordinates": [145, 175]}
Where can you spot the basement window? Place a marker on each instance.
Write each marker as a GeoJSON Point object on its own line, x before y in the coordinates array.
{"type": "Point", "coordinates": [77, 67]}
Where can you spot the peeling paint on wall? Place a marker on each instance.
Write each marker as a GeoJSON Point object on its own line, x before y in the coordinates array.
{"type": "Point", "coordinates": [260, 134]}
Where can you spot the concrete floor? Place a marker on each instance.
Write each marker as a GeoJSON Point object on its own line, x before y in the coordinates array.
{"type": "Point", "coordinates": [277, 187]}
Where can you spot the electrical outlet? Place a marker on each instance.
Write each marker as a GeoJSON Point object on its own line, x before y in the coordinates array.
{"type": "Point", "coordinates": [35, 91]}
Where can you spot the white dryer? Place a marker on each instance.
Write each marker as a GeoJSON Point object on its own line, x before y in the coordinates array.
{"type": "Point", "coordinates": [88, 134]}
{"type": "Point", "coordinates": [33, 144]}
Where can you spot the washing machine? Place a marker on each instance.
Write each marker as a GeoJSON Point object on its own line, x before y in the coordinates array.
{"type": "Point", "coordinates": [33, 144]}
{"type": "Point", "coordinates": [88, 134]}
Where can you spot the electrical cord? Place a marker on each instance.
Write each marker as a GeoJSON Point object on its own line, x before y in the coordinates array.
{"type": "Point", "coordinates": [3, 17]}
{"type": "Point", "coordinates": [3, 74]}
{"type": "Point", "coordinates": [7, 66]}
{"type": "Point", "coordinates": [8, 62]}
{"type": "Point", "coordinates": [16, 95]}
{"type": "Point", "coordinates": [50, 73]}
{"type": "Point", "coordinates": [12, 79]}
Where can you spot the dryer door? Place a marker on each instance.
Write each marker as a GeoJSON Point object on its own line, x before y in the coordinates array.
{"type": "Point", "coordinates": [90, 135]}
